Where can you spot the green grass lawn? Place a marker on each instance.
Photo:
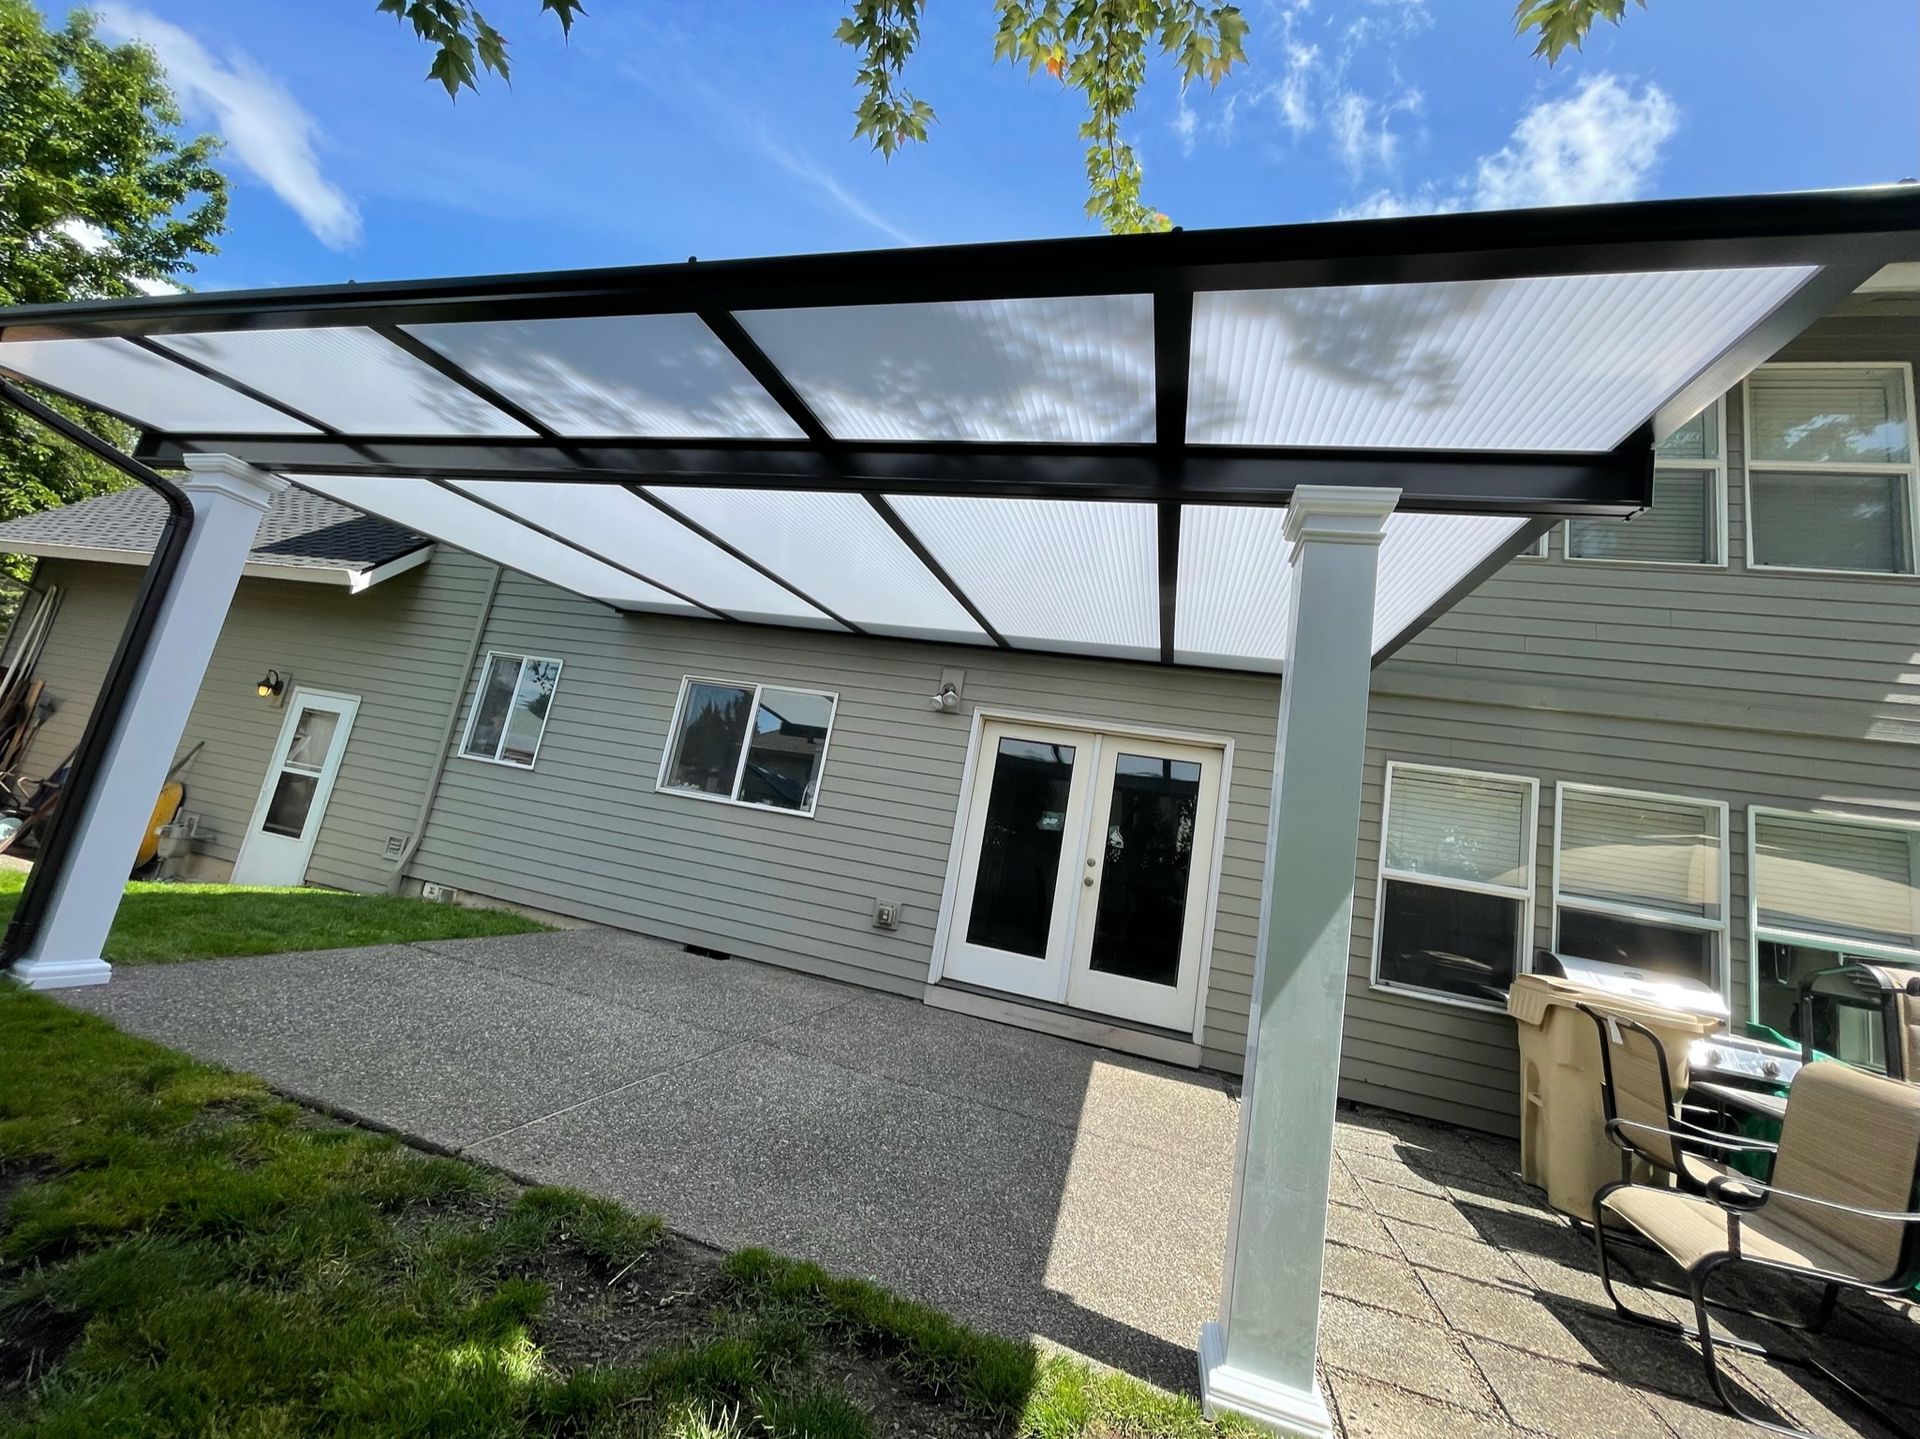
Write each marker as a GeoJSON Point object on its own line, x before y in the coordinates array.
{"type": "Point", "coordinates": [184, 1252]}
{"type": "Point", "coordinates": [162, 923]}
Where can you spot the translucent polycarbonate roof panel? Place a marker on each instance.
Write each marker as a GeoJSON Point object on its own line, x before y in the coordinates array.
{"type": "Point", "coordinates": [1559, 362]}
{"type": "Point", "coordinates": [1235, 596]}
{"type": "Point", "coordinates": [1067, 369]}
{"type": "Point", "coordinates": [1425, 556]}
{"type": "Point", "coordinates": [460, 522]}
{"type": "Point", "coordinates": [620, 526]}
{"type": "Point", "coordinates": [619, 375]}
{"type": "Point", "coordinates": [352, 379]}
{"type": "Point", "coordinates": [1067, 575]}
{"type": "Point", "coordinates": [144, 386]}
{"type": "Point", "coordinates": [837, 549]}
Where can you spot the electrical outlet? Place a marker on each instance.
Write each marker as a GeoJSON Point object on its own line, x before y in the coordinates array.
{"type": "Point", "coordinates": [886, 914]}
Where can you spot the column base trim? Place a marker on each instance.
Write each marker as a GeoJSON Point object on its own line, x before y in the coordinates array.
{"type": "Point", "coordinates": [1280, 1407]}
{"type": "Point", "coordinates": [61, 973]}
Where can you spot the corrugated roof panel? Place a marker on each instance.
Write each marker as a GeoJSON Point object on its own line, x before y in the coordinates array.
{"type": "Point", "coordinates": [150, 388]}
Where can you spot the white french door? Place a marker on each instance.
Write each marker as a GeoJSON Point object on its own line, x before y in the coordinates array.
{"type": "Point", "coordinates": [1085, 869]}
{"type": "Point", "coordinates": [293, 799]}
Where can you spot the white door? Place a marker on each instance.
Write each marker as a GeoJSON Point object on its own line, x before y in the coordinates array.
{"type": "Point", "coordinates": [293, 800]}
{"type": "Point", "coordinates": [1085, 871]}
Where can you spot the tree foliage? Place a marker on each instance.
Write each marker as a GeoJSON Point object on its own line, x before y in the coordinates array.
{"type": "Point", "coordinates": [1097, 47]}
{"type": "Point", "coordinates": [1559, 24]}
{"type": "Point", "coordinates": [99, 190]}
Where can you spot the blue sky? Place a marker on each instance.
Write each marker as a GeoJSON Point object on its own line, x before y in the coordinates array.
{"type": "Point", "coordinates": [665, 130]}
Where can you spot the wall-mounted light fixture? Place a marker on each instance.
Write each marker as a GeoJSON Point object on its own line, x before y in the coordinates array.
{"type": "Point", "coordinates": [272, 687]}
{"type": "Point", "coordinates": [947, 699]}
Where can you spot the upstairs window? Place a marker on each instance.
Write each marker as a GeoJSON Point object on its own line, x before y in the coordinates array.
{"type": "Point", "coordinates": [1456, 883]}
{"type": "Point", "coordinates": [1830, 468]}
{"type": "Point", "coordinates": [1829, 891]}
{"type": "Point", "coordinates": [509, 714]}
{"type": "Point", "coordinates": [1640, 880]}
{"type": "Point", "coordinates": [1686, 522]}
{"type": "Point", "coordinates": [748, 744]}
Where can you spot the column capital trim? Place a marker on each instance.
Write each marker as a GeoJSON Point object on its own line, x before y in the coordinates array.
{"type": "Point", "coordinates": [1342, 514]}
{"type": "Point", "coordinates": [233, 478]}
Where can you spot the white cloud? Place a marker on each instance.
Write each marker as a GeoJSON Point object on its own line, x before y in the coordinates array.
{"type": "Point", "coordinates": [817, 178]}
{"type": "Point", "coordinates": [265, 128]}
{"type": "Point", "coordinates": [1294, 95]}
{"type": "Point", "coordinates": [93, 240]}
{"type": "Point", "coordinates": [1186, 126]}
{"type": "Point", "coordinates": [1601, 143]}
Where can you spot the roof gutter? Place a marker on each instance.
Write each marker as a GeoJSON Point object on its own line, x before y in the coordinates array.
{"type": "Point", "coordinates": [116, 689]}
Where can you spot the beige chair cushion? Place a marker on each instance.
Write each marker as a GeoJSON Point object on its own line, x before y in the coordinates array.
{"type": "Point", "coordinates": [1853, 1138]}
{"type": "Point", "coordinates": [1689, 1229]}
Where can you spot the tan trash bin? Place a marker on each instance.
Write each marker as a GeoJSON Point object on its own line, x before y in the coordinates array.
{"type": "Point", "coordinates": [1564, 1148]}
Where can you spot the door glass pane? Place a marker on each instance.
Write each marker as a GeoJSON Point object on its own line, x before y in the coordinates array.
{"type": "Point", "coordinates": [1449, 940]}
{"type": "Point", "coordinates": [292, 798]}
{"type": "Point", "coordinates": [1019, 865]}
{"type": "Point", "coordinates": [528, 715]}
{"type": "Point", "coordinates": [312, 738]}
{"type": "Point", "coordinates": [1825, 521]}
{"type": "Point", "coordinates": [1149, 860]}
{"type": "Point", "coordinates": [490, 708]}
{"type": "Point", "coordinates": [783, 757]}
{"type": "Point", "coordinates": [713, 725]}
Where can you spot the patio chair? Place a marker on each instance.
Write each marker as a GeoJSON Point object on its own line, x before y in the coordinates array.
{"type": "Point", "coordinates": [1836, 1213]}
{"type": "Point", "coordinates": [1643, 1117]}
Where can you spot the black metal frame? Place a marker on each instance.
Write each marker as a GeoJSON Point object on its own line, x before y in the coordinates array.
{"type": "Point", "coordinates": [116, 688]}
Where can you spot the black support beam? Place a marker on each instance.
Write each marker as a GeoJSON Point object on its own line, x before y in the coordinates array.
{"type": "Point", "coordinates": [1617, 482]}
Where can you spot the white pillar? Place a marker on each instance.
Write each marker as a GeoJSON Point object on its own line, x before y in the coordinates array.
{"type": "Point", "coordinates": [228, 500]}
{"type": "Point", "coordinates": [1258, 1360]}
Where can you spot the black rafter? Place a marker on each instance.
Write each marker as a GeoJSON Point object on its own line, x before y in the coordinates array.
{"type": "Point", "coordinates": [466, 380]}
{"type": "Point", "coordinates": [1521, 540]}
{"type": "Point", "coordinates": [1172, 364]}
{"type": "Point", "coordinates": [741, 555]}
{"type": "Point", "coordinates": [575, 545]}
{"type": "Point", "coordinates": [744, 348]}
{"type": "Point", "coordinates": [939, 571]}
{"type": "Point", "coordinates": [239, 387]}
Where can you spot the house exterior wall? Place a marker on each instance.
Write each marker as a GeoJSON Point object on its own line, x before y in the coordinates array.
{"type": "Point", "coordinates": [584, 832]}
{"type": "Point", "coordinates": [400, 646]}
{"type": "Point", "coordinates": [1753, 687]}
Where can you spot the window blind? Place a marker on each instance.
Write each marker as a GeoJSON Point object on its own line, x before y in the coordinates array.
{"type": "Point", "coordinates": [1451, 826]}
{"type": "Point", "coordinates": [1843, 881]}
{"type": "Point", "coordinates": [1649, 853]}
{"type": "Point", "coordinates": [1698, 439]}
{"type": "Point", "coordinates": [1822, 520]}
{"type": "Point", "coordinates": [1846, 415]}
{"type": "Point", "coordinates": [1680, 527]}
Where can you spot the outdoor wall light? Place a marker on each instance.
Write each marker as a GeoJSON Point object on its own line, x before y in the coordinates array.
{"type": "Point", "coordinates": [271, 686]}
{"type": "Point", "coordinates": [947, 701]}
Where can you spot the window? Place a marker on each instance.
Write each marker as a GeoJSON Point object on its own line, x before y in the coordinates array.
{"type": "Point", "coordinates": [1455, 906]}
{"type": "Point", "coordinates": [1830, 468]}
{"type": "Point", "coordinates": [1686, 522]}
{"type": "Point", "coordinates": [748, 744]}
{"type": "Point", "coordinates": [510, 710]}
{"type": "Point", "coordinates": [1641, 879]}
{"type": "Point", "coordinates": [1829, 891]}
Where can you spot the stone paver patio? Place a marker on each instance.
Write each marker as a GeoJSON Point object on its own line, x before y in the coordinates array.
{"type": "Point", "coordinates": [1023, 1183]}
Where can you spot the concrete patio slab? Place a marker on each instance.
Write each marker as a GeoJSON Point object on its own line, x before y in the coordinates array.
{"type": "Point", "coordinates": [1024, 1183]}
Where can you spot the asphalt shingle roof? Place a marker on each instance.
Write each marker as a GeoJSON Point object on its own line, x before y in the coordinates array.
{"type": "Point", "coordinates": [300, 531]}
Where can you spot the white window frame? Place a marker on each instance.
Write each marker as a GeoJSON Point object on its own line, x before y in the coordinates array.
{"type": "Point", "coordinates": [1652, 914]}
{"type": "Point", "coordinates": [1911, 469]}
{"type": "Point", "coordinates": [1758, 933]}
{"type": "Point", "coordinates": [1538, 549]}
{"type": "Point", "coordinates": [1523, 962]}
{"type": "Point", "coordinates": [479, 688]}
{"type": "Point", "coordinates": [687, 682]}
{"type": "Point", "coordinates": [1718, 499]}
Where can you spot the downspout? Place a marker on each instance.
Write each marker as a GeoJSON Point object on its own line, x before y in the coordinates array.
{"type": "Point", "coordinates": [83, 775]}
{"type": "Point", "coordinates": [405, 857]}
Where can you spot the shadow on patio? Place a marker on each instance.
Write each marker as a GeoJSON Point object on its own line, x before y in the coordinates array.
{"type": "Point", "coordinates": [1025, 1184]}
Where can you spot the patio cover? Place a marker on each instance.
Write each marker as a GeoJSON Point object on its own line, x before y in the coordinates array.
{"type": "Point", "coordinates": [1076, 446]}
